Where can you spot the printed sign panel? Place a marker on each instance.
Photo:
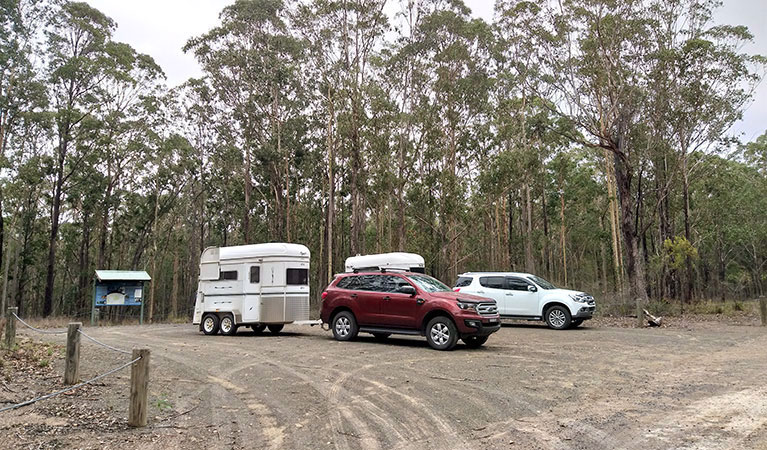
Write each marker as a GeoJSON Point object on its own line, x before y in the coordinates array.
{"type": "Point", "coordinates": [119, 293]}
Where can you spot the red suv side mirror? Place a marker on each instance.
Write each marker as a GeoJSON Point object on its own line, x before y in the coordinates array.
{"type": "Point", "coordinates": [407, 289]}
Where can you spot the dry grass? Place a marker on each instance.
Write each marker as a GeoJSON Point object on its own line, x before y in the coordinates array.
{"type": "Point", "coordinates": [711, 309]}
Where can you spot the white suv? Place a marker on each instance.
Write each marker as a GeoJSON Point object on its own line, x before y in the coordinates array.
{"type": "Point", "coordinates": [528, 297]}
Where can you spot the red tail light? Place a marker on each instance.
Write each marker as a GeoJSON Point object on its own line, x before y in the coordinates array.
{"type": "Point", "coordinates": [457, 289]}
{"type": "Point", "coordinates": [324, 294]}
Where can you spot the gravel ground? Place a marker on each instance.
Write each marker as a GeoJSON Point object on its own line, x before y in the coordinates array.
{"type": "Point", "coordinates": [690, 385]}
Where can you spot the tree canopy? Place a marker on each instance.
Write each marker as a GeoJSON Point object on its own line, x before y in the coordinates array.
{"type": "Point", "coordinates": [586, 141]}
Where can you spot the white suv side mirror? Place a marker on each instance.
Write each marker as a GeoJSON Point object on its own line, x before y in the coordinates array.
{"type": "Point", "coordinates": [532, 288]}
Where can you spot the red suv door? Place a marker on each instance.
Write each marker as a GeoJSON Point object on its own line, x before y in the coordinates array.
{"type": "Point", "coordinates": [397, 309]}
{"type": "Point", "coordinates": [367, 302]}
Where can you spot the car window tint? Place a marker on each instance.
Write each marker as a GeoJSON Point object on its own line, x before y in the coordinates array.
{"type": "Point", "coordinates": [346, 283]}
{"type": "Point", "coordinates": [379, 283]}
{"type": "Point", "coordinates": [365, 283]}
{"type": "Point", "coordinates": [516, 284]}
{"type": "Point", "coordinates": [463, 281]}
{"type": "Point", "coordinates": [393, 283]}
{"type": "Point", "coordinates": [492, 282]}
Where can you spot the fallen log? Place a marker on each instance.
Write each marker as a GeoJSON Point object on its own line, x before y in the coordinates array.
{"type": "Point", "coordinates": [652, 320]}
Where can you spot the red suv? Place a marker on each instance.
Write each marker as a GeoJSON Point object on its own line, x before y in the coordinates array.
{"type": "Point", "coordinates": [386, 303]}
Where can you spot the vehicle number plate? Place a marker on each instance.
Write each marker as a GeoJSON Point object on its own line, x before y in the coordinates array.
{"type": "Point", "coordinates": [493, 320]}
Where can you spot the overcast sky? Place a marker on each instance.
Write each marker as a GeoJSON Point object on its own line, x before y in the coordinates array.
{"type": "Point", "coordinates": [160, 28]}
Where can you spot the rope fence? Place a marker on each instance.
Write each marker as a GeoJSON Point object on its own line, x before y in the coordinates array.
{"type": "Point", "coordinates": [71, 388]}
{"type": "Point", "coordinates": [37, 329]}
{"type": "Point", "coordinates": [139, 385]}
{"type": "Point", "coordinates": [92, 339]}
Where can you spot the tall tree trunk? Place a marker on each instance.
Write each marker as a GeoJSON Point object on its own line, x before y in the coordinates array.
{"type": "Point", "coordinates": [401, 195]}
{"type": "Point", "coordinates": [720, 265]}
{"type": "Point", "coordinates": [320, 282]}
{"type": "Point", "coordinates": [248, 188]}
{"type": "Point", "coordinates": [357, 219]}
{"type": "Point", "coordinates": [150, 313]}
{"type": "Point", "coordinates": [529, 261]}
{"type": "Point", "coordinates": [105, 222]}
{"type": "Point", "coordinates": [497, 242]}
{"type": "Point", "coordinates": [562, 232]}
{"type": "Point", "coordinates": [331, 188]}
{"type": "Point", "coordinates": [511, 233]}
{"type": "Point", "coordinates": [6, 267]}
{"type": "Point", "coordinates": [3, 129]}
{"type": "Point", "coordinates": [174, 289]}
{"type": "Point", "coordinates": [603, 258]}
{"type": "Point", "coordinates": [547, 254]}
{"type": "Point", "coordinates": [54, 234]}
{"type": "Point", "coordinates": [614, 221]}
{"type": "Point", "coordinates": [84, 262]}
{"type": "Point", "coordinates": [2, 235]}
{"type": "Point", "coordinates": [688, 288]}
{"type": "Point", "coordinates": [635, 267]}
{"type": "Point", "coordinates": [452, 236]}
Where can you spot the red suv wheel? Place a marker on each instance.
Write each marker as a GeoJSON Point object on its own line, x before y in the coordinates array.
{"type": "Point", "coordinates": [344, 326]}
{"type": "Point", "coordinates": [441, 333]}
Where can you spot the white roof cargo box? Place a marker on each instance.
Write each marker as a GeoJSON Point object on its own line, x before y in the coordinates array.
{"type": "Point", "coordinates": [395, 261]}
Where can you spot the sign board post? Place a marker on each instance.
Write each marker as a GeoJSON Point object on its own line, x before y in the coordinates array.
{"type": "Point", "coordinates": [93, 304]}
{"type": "Point", "coordinates": [141, 317]}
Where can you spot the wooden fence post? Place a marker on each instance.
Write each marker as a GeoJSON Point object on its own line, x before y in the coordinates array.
{"type": "Point", "coordinates": [72, 368]}
{"type": "Point", "coordinates": [763, 309]}
{"type": "Point", "coordinates": [10, 328]}
{"type": "Point", "coordinates": [139, 388]}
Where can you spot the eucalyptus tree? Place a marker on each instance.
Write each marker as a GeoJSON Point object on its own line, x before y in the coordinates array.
{"type": "Point", "coordinates": [402, 78]}
{"type": "Point", "coordinates": [732, 241]}
{"type": "Point", "coordinates": [453, 51]}
{"type": "Point", "coordinates": [594, 58]}
{"type": "Point", "coordinates": [251, 61]}
{"type": "Point", "coordinates": [710, 80]}
{"type": "Point", "coordinates": [21, 91]}
{"type": "Point", "coordinates": [77, 63]}
{"type": "Point", "coordinates": [515, 90]}
{"type": "Point", "coordinates": [81, 60]}
{"type": "Point", "coordinates": [130, 116]}
{"type": "Point", "coordinates": [344, 36]}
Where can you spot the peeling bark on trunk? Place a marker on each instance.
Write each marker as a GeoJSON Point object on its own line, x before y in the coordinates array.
{"type": "Point", "coordinates": [613, 212]}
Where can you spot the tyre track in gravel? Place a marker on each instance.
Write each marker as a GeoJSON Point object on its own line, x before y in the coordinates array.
{"type": "Point", "coordinates": [362, 411]}
{"type": "Point", "coordinates": [226, 397]}
{"type": "Point", "coordinates": [350, 402]}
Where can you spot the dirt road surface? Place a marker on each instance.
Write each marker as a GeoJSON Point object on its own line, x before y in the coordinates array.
{"type": "Point", "coordinates": [702, 386]}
